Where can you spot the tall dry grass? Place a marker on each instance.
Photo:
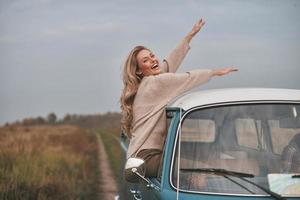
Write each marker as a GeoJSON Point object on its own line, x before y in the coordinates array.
{"type": "Point", "coordinates": [45, 162]}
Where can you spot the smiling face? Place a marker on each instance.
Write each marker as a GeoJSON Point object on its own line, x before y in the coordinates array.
{"type": "Point", "coordinates": [148, 63]}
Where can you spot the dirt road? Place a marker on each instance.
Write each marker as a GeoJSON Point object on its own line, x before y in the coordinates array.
{"type": "Point", "coordinates": [107, 183]}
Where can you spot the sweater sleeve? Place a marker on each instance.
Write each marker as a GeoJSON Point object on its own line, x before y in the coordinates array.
{"type": "Point", "coordinates": [175, 58]}
{"type": "Point", "coordinates": [170, 85]}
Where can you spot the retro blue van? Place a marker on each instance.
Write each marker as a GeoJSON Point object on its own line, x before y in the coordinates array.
{"type": "Point", "coordinates": [226, 144]}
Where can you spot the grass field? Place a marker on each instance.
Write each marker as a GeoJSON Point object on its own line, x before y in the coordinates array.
{"type": "Point", "coordinates": [48, 162]}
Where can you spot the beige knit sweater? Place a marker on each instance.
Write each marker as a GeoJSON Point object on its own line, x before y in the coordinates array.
{"type": "Point", "coordinates": [149, 126]}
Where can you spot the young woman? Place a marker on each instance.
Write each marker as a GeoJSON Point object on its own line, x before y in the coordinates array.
{"type": "Point", "coordinates": [148, 86]}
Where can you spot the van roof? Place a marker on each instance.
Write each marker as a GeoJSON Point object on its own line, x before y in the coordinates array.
{"type": "Point", "coordinates": [205, 97]}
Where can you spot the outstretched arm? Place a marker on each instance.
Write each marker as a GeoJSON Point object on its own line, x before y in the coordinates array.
{"type": "Point", "coordinates": [169, 85]}
{"type": "Point", "coordinates": [196, 28]}
{"type": "Point", "coordinates": [223, 71]}
{"type": "Point", "coordinates": [175, 58]}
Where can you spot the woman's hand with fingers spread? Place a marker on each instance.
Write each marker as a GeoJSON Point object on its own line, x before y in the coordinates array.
{"type": "Point", "coordinates": [224, 71]}
{"type": "Point", "coordinates": [196, 28]}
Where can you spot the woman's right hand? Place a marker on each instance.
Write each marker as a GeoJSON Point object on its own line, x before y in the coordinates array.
{"type": "Point", "coordinates": [196, 28]}
{"type": "Point", "coordinates": [224, 71]}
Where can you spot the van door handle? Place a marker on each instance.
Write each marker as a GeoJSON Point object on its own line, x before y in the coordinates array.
{"type": "Point", "coordinates": [136, 194]}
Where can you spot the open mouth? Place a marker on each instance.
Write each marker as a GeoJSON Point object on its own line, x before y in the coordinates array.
{"type": "Point", "coordinates": [155, 66]}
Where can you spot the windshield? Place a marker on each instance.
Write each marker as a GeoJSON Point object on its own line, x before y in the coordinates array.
{"type": "Point", "coordinates": [258, 139]}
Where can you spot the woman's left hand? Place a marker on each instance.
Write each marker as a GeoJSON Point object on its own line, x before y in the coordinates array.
{"type": "Point", "coordinates": [196, 28]}
{"type": "Point", "coordinates": [224, 71]}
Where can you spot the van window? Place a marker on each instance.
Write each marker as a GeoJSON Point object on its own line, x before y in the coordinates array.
{"type": "Point", "coordinates": [236, 138]}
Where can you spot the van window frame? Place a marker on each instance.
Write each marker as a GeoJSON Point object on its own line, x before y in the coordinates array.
{"type": "Point", "coordinates": [215, 105]}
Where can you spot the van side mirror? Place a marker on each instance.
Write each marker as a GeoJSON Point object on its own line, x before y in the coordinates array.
{"type": "Point", "coordinates": [134, 169]}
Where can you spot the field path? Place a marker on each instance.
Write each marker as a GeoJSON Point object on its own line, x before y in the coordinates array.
{"type": "Point", "coordinates": [107, 183]}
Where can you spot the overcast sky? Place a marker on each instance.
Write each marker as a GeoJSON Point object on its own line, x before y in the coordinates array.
{"type": "Point", "coordinates": [65, 56]}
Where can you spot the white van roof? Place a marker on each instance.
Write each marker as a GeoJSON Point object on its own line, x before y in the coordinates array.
{"type": "Point", "coordinates": [204, 97]}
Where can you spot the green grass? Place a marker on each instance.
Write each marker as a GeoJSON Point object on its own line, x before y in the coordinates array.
{"type": "Point", "coordinates": [113, 150]}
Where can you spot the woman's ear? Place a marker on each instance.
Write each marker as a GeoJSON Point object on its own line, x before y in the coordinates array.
{"type": "Point", "coordinates": [139, 74]}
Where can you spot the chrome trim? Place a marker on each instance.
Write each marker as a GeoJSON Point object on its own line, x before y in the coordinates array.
{"type": "Point", "coordinates": [217, 105]}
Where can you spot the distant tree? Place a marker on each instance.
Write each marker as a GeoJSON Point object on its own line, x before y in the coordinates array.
{"type": "Point", "coordinates": [105, 121]}
{"type": "Point", "coordinates": [28, 121]}
{"type": "Point", "coordinates": [51, 118]}
{"type": "Point", "coordinates": [17, 123]}
{"type": "Point", "coordinates": [67, 118]}
{"type": "Point", "coordinates": [40, 120]}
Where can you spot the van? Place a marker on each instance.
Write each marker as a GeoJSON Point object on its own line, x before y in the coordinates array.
{"type": "Point", "coordinates": [239, 143]}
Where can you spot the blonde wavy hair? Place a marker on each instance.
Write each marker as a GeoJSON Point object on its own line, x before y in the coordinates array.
{"type": "Point", "coordinates": [131, 80]}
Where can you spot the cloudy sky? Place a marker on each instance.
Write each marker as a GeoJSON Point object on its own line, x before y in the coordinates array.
{"type": "Point", "coordinates": [65, 56]}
